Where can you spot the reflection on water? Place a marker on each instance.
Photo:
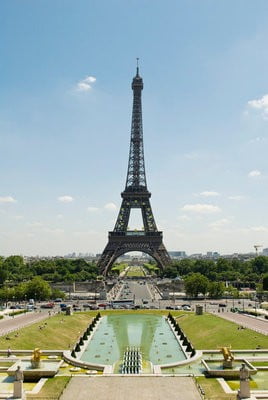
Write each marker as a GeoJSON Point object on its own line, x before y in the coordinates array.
{"type": "Point", "coordinates": [151, 333]}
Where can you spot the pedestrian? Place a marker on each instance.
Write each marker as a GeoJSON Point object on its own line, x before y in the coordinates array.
{"type": "Point", "coordinates": [9, 352]}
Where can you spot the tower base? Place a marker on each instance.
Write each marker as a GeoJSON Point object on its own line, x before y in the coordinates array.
{"type": "Point", "coordinates": [120, 243]}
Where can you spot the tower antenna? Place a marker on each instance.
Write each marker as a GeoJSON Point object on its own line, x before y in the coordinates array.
{"type": "Point", "coordinates": [137, 65]}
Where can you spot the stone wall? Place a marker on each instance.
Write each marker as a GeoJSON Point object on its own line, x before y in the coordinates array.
{"type": "Point", "coordinates": [73, 287]}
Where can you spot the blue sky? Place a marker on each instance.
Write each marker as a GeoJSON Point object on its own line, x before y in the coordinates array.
{"type": "Point", "coordinates": [65, 112]}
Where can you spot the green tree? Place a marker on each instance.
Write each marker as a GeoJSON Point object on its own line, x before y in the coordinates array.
{"type": "Point", "coordinates": [260, 264]}
{"type": "Point", "coordinates": [38, 289]}
{"type": "Point", "coordinates": [265, 282]}
{"type": "Point", "coordinates": [196, 283]}
{"type": "Point", "coordinates": [216, 289]}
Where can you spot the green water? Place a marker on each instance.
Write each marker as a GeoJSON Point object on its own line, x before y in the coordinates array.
{"type": "Point", "coordinates": [196, 368]}
{"type": "Point", "coordinates": [6, 384]}
{"type": "Point", "coordinates": [257, 382]}
{"type": "Point", "coordinates": [236, 354]}
{"type": "Point", "coordinates": [217, 365]}
{"type": "Point", "coordinates": [151, 333]}
{"type": "Point", "coordinates": [261, 379]}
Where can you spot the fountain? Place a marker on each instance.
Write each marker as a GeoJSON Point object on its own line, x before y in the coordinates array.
{"type": "Point", "coordinates": [34, 368]}
{"type": "Point", "coordinates": [228, 367]}
{"type": "Point", "coordinates": [132, 361]}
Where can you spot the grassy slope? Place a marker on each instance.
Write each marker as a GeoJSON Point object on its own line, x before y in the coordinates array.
{"type": "Point", "coordinates": [52, 389]}
{"type": "Point", "coordinates": [209, 332]}
{"type": "Point", "coordinates": [213, 389]}
{"type": "Point", "coordinates": [59, 332]}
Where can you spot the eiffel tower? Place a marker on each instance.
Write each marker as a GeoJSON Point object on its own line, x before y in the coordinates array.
{"type": "Point", "coordinates": [136, 195]}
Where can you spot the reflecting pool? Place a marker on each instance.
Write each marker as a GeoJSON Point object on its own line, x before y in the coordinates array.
{"type": "Point", "coordinates": [150, 333]}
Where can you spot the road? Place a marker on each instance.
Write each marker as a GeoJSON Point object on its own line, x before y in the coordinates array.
{"type": "Point", "coordinates": [9, 324]}
{"type": "Point", "coordinates": [253, 323]}
{"type": "Point", "coordinates": [138, 290]}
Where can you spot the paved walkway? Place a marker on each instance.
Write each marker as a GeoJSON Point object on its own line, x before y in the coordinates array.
{"type": "Point", "coordinates": [256, 324]}
{"type": "Point", "coordinates": [9, 324]}
{"type": "Point", "coordinates": [131, 388]}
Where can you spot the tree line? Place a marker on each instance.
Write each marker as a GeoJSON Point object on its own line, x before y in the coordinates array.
{"type": "Point", "coordinates": [15, 269]}
{"type": "Point", "coordinates": [208, 277]}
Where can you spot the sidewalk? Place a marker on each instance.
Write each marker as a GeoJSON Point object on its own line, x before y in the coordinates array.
{"type": "Point", "coordinates": [247, 321]}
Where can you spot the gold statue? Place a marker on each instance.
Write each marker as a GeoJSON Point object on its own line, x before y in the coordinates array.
{"type": "Point", "coordinates": [226, 351]}
{"type": "Point", "coordinates": [228, 357]}
{"type": "Point", "coordinates": [35, 360]}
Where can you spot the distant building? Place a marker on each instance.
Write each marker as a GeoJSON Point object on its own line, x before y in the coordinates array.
{"type": "Point", "coordinates": [212, 254]}
{"type": "Point", "coordinates": [196, 255]}
{"type": "Point", "coordinates": [265, 252]}
{"type": "Point", "coordinates": [177, 254]}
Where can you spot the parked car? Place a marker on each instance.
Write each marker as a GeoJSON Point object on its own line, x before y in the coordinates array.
{"type": "Point", "coordinates": [47, 305]}
{"type": "Point", "coordinates": [93, 307]}
{"type": "Point", "coordinates": [186, 308]}
{"type": "Point", "coordinates": [30, 307]}
{"type": "Point", "coordinates": [86, 305]}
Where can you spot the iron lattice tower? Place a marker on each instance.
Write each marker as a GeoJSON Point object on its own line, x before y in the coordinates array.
{"type": "Point", "coordinates": [135, 195]}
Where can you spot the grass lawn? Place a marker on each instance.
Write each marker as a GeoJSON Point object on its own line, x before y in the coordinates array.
{"type": "Point", "coordinates": [135, 271]}
{"type": "Point", "coordinates": [60, 332]}
{"type": "Point", "coordinates": [208, 331]}
{"type": "Point", "coordinates": [213, 389]}
{"type": "Point", "coordinates": [52, 389]}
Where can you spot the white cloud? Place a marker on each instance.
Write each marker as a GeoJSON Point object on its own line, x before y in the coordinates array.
{"type": "Point", "coordinates": [254, 173]}
{"type": "Point", "coordinates": [85, 84]}
{"type": "Point", "coordinates": [257, 139]}
{"type": "Point", "coordinates": [18, 217]}
{"type": "Point", "coordinates": [59, 216]}
{"type": "Point", "coordinates": [192, 155]}
{"type": "Point", "coordinates": [201, 208]}
{"type": "Point", "coordinates": [7, 199]}
{"type": "Point", "coordinates": [261, 105]}
{"type": "Point", "coordinates": [35, 224]}
{"type": "Point", "coordinates": [209, 193]}
{"type": "Point", "coordinates": [65, 199]}
{"type": "Point", "coordinates": [110, 207]}
{"type": "Point", "coordinates": [220, 223]}
{"type": "Point", "coordinates": [184, 218]}
{"type": "Point", "coordinates": [92, 209]}
{"type": "Point", "coordinates": [84, 233]}
{"type": "Point", "coordinates": [259, 229]}
{"type": "Point", "coordinates": [236, 198]}
{"type": "Point", "coordinates": [55, 231]}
